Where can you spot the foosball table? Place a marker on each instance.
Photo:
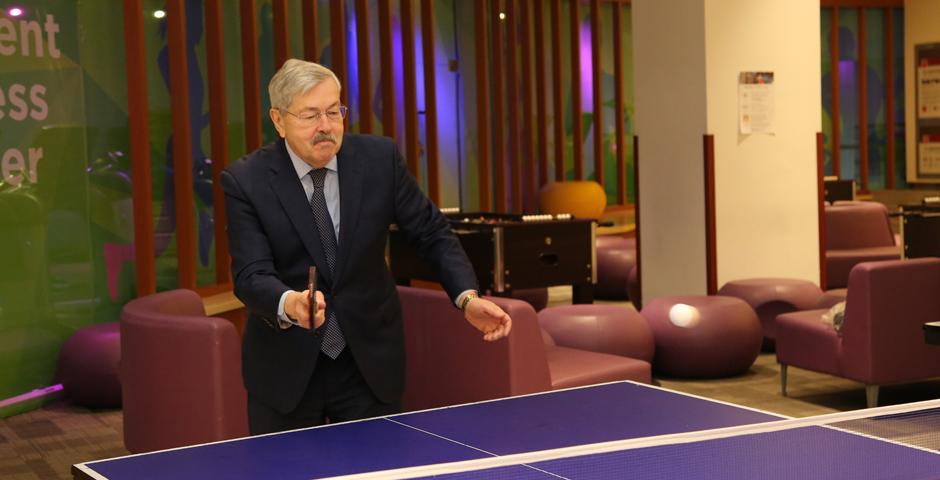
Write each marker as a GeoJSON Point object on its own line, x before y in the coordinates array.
{"type": "Point", "coordinates": [510, 252]}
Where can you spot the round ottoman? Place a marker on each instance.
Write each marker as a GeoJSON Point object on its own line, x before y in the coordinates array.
{"type": "Point", "coordinates": [600, 328]}
{"type": "Point", "coordinates": [88, 366]}
{"type": "Point", "coordinates": [616, 255]}
{"type": "Point", "coordinates": [770, 297]}
{"type": "Point", "coordinates": [724, 339]}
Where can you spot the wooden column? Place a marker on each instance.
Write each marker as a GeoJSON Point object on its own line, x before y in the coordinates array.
{"type": "Point", "coordinates": [499, 148]}
{"type": "Point", "coordinates": [412, 147]}
{"type": "Point", "coordinates": [250, 76]}
{"type": "Point", "coordinates": [574, 15]}
{"type": "Point", "coordinates": [834, 86]}
{"type": "Point", "coordinates": [430, 100]}
{"type": "Point", "coordinates": [483, 105]}
{"type": "Point", "coordinates": [388, 70]}
{"type": "Point", "coordinates": [821, 207]}
{"type": "Point", "coordinates": [558, 107]}
{"type": "Point", "coordinates": [529, 166]}
{"type": "Point", "coordinates": [338, 48]}
{"type": "Point", "coordinates": [597, 94]}
{"type": "Point", "coordinates": [889, 98]}
{"type": "Point", "coordinates": [311, 46]}
{"type": "Point", "coordinates": [862, 103]}
{"type": "Point", "coordinates": [621, 144]}
{"type": "Point", "coordinates": [182, 145]}
{"type": "Point", "coordinates": [540, 136]}
{"type": "Point", "coordinates": [711, 250]}
{"type": "Point", "coordinates": [512, 106]}
{"type": "Point", "coordinates": [365, 66]}
{"type": "Point", "coordinates": [281, 32]}
{"type": "Point", "coordinates": [142, 191]}
{"type": "Point", "coordinates": [218, 118]}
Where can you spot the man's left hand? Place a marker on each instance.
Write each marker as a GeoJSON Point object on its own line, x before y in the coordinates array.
{"type": "Point", "coordinates": [488, 318]}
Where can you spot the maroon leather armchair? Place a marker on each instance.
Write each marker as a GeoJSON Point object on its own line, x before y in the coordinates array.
{"type": "Point", "coordinates": [180, 374]}
{"type": "Point", "coordinates": [856, 232]}
{"type": "Point", "coordinates": [448, 363]}
{"type": "Point", "coordinates": [881, 339]}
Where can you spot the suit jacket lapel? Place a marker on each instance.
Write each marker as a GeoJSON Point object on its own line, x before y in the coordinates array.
{"type": "Point", "coordinates": [291, 194]}
{"type": "Point", "coordinates": [350, 168]}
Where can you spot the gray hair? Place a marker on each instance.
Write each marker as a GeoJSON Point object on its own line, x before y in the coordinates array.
{"type": "Point", "coordinates": [296, 77]}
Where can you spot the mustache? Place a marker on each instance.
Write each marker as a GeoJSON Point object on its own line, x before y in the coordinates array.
{"type": "Point", "coordinates": [322, 136]}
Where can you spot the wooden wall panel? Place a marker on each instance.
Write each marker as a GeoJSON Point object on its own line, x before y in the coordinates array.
{"type": "Point", "coordinates": [862, 103]}
{"type": "Point", "coordinates": [483, 105]}
{"type": "Point", "coordinates": [281, 32]}
{"type": "Point", "coordinates": [338, 47]}
{"type": "Point", "coordinates": [311, 45]}
{"type": "Point", "coordinates": [497, 125]}
{"type": "Point", "coordinates": [620, 143]}
{"type": "Point", "coordinates": [540, 136]}
{"type": "Point", "coordinates": [558, 108]}
{"type": "Point", "coordinates": [365, 66]}
{"type": "Point", "coordinates": [430, 100]}
{"type": "Point", "coordinates": [512, 108]}
{"type": "Point", "coordinates": [218, 126]}
{"type": "Point", "coordinates": [250, 75]}
{"type": "Point", "coordinates": [139, 131]}
{"type": "Point", "coordinates": [412, 147]}
{"type": "Point", "coordinates": [574, 15]}
{"type": "Point", "coordinates": [387, 76]}
{"type": "Point", "coordinates": [597, 93]}
{"type": "Point", "coordinates": [182, 145]}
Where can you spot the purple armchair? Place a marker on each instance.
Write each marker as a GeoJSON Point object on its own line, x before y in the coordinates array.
{"type": "Point", "coordinates": [180, 374]}
{"type": "Point", "coordinates": [881, 340]}
{"type": "Point", "coordinates": [856, 232]}
{"type": "Point", "coordinates": [448, 363]}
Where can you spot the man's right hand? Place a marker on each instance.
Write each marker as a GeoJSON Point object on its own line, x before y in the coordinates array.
{"type": "Point", "coordinates": [297, 307]}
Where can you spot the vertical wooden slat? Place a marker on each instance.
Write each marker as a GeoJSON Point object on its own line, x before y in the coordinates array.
{"type": "Point", "coordinates": [311, 46]}
{"type": "Point", "coordinates": [411, 94]}
{"type": "Point", "coordinates": [621, 144]}
{"type": "Point", "coordinates": [512, 105]}
{"type": "Point", "coordinates": [430, 100]}
{"type": "Point", "coordinates": [638, 302]}
{"type": "Point", "coordinates": [250, 75]}
{"type": "Point", "coordinates": [558, 108]}
{"type": "Point", "coordinates": [388, 71]}
{"type": "Point", "coordinates": [862, 103]}
{"type": "Point", "coordinates": [338, 46]}
{"type": "Point", "coordinates": [889, 97]}
{"type": "Point", "coordinates": [218, 116]}
{"type": "Point", "coordinates": [529, 166]}
{"type": "Point", "coordinates": [821, 207]}
{"type": "Point", "coordinates": [540, 136]}
{"type": "Point", "coordinates": [142, 190]}
{"type": "Point", "coordinates": [834, 86]}
{"type": "Point", "coordinates": [711, 251]}
{"type": "Point", "coordinates": [597, 93]}
{"type": "Point", "coordinates": [365, 66]}
{"type": "Point", "coordinates": [483, 105]}
{"type": "Point", "coordinates": [281, 32]}
{"type": "Point", "coordinates": [499, 147]}
{"type": "Point", "coordinates": [574, 16]}
{"type": "Point", "coordinates": [182, 145]}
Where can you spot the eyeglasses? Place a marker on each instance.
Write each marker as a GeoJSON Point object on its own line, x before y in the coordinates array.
{"type": "Point", "coordinates": [334, 115]}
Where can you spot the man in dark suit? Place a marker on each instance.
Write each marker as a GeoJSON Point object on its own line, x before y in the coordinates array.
{"type": "Point", "coordinates": [319, 197]}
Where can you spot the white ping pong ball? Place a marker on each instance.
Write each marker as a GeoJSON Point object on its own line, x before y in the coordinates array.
{"type": "Point", "coordinates": [682, 315]}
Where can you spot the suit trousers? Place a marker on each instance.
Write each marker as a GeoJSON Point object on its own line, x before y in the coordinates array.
{"type": "Point", "coordinates": [336, 393]}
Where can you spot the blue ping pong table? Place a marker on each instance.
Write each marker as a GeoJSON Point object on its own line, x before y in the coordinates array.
{"type": "Point", "coordinates": [520, 437]}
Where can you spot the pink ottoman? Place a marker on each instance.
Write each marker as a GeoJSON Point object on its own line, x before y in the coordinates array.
{"type": "Point", "coordinates": [770, 297]}
{"type": "Point", "coordinates": [723, 341]}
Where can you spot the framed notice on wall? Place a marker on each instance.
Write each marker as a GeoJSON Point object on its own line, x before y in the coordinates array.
{"type": "Point", "coordinates": [927, 102]}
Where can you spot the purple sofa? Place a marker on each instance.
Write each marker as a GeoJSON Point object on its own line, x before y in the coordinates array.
{"type": "Point", "coordinates": [448, 363]}
{"type": "Point", "coordinates": [856, 232]}
{"type": "Point", "coordinates": [180, 374]}
{"type": "Point", "coordinates": [881, 340]}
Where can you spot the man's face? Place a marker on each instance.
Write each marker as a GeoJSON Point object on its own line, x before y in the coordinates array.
{"type": "Point", "coordinates": [315, 141]}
